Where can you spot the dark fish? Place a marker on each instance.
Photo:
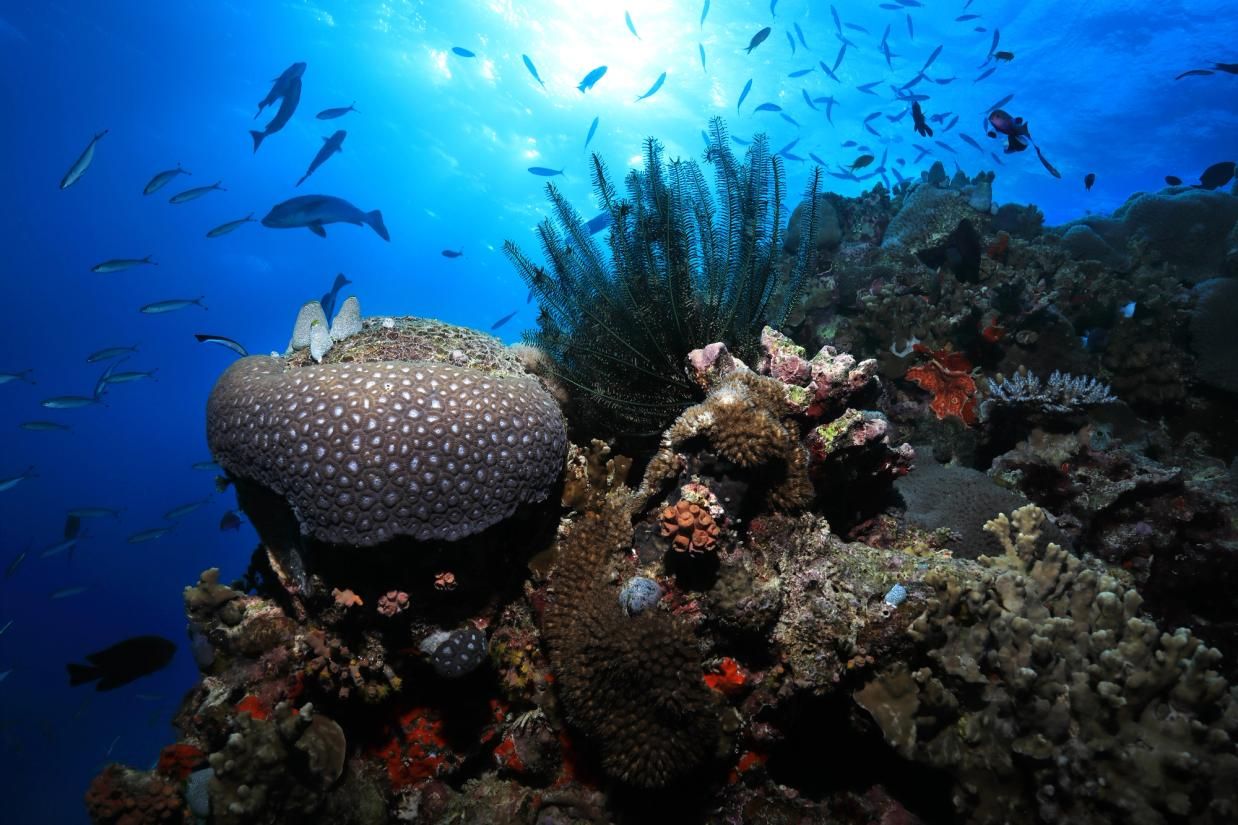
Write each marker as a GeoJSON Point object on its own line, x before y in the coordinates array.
{"type": "Point", "coordinates": [328, 299]}
{"type": "Point", "coordinates": [452, 253]}
{"type": "Point", "coordinates": [758, 39]}
{"type": "Point", "coordinates": [161, 179]}
{"type": "Point", "coordinates": [788, 147]}
{"type": "Point", "coordinates": [1194, 73]}
{"type": "Point", "coordinates": [330, 145]}
{"type": "Point", "coordinates": [590, 79]}
{"type": "Point", "coordinates": [791, 41]}
{"type": "Point", "coordinates": [1046, 163]}
{"type": "Point", "coordinates": [965, 17]}
{"type": "Point", "coordinates": [504, 319]}
{"type": "Point", "coordinates": [463, 52]}
{"type": "Point", "coordinates": [1088, 180]}
{"type": "Point", "coordinates": [985, 74]}
{"type": "Point", "coordinates": [313, 212]}
{"type": "Point", "coordinates": [82, 163]}
{"type": "Point", "coordinates": [828, 71]}
{"type": "Point", "coordinates": [997, 36]}
{"type": "Point", "coordinates": [195, 193]}
{"type": "Point", "coordinates": [230, 521]}
{"type": "Point", "coordinates": [627, 18]}
{"type": "Point", "coordinates": [230, 226]}
{"type": "Point", "coordinates": [838, 23]}
{"type": "Point", "coordinates": [932, 58]}
{"type": "Point", "coordinates": [867, 88]}
{"type": "Point", "coordinates": [768, 107]}
{"type": "Point", "coordinates": [999, 104]}
{"type": "Point", "coordinates": [816, 159]}
{"type": "Point", "coordinates": [1217, 175]}
{"type": "Point", "coordinates": [971, 142]}
{"type": "Point", "coordinates": [123, 662]}
{"type": "Point", "coordinates": [227, 343]}
{"type": "Point", "coordinates": [332, 114]}
{"type": "Point", "coordinates": [838, 61]}
{"type": "Point", "coordinates": [911, 30]}
{"type": "Point", "coordinates": [600, 222]}
{"type": "Point", "coordinates": [657, 84]}
{"type": "Point", "coordinates": [808, 100]}
{"type": "Point", "coordinates": [280, 86]}
{"type": "Point", "coordinates": [773, 4]}
{"type": "Point", "coordinates": [857, 27]}
{"type": "Point", "coordinates": [542, 171]}
{"type": "Point", "coordinates": [896, 118]}
{"type": "Point", "coordinates": [701, 46]}
{"type": "Point", "coordinates": [800, 72]}
{"type": "Point", "coordinates": [946, 146]}
{"type": "Point", "coordinates": [861, 162]}
{"type": "Point", "coordinates": [943, 81]}
{"type": "Point", "coordinates": [528, 64]}
{"type": "Point", "coordinates": [917, 118]}
{"type": "Point", "coordinates": [789, 119]}
{"type": "Point", "coordinates": [704, 12]}
{"type": "Point", "coordinates": [287, 105]}
{"type": "Point", "coordinates": [1005, 57]}
{"type": "Point", "coordinates": [744, 94]}
{"type": "Point", "coordinates": [800, 34]}
{"type": "Point", "coordinates": [1173, 180]}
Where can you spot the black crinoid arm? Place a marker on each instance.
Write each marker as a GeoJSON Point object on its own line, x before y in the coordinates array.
{"type": "Point", "coordinates": [681, 267]}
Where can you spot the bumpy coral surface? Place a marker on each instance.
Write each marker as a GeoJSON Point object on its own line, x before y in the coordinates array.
{"type": "Point", "coordinates": [690, 528]}
{"type": "Point", "coordinates": [366, 451]}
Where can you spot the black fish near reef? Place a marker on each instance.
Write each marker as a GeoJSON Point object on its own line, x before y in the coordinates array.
{"type": "Point", "coordinates": [1217, 175]}
{"type": "Point", "coordinates": [1088, 180]}
{"type": "Point", "coordinates": [160, 179]}
{"type": "Point", "coordinates": [82, 163]}
{"type": "Point", "coordinates": [123, 662]}
{"type": "Point", "coordinates": [917, 116]}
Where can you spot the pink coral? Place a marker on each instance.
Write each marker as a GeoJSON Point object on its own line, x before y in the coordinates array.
{"type": "Point", "coordinates": [392, 603]}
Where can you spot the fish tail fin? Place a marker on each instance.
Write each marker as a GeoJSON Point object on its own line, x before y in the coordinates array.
{"type": "Point", "coordinates": [302, 180]}
{"type": "Point", "coordinates": [258, 138]}
{"type": "Point", "coordinates": [147, 260]}
{"type": "Point", "coordinates": [353, 107]}
{"type": "Point", "coordinates": [375, 220]}
{"type": "Point", "coordinates": [81, 674]}
{"type": "Point", "coordinates": [199, 301]}
{"type": "Point", "coordinates": [216, 185]}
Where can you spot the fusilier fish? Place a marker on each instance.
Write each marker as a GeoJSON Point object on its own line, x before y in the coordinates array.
{"type": "Point", "coordinates": [24, 375]}
{"type": "Point", "coordinates": [657, 84]}
{"type": "Point", "coordinates": [223, 342]}
{"type": "Point", "coordinates": [161, 179]}
{"type": "Point", "coordinates": [82, 163]}
{"type": "Point", "coordinates": [71, 402]}
{"type": "Point", "coordinates": [184, 509]}
{"type": "Point", "coordinates": [123, 662]}
{"type": "Point", "coordinates": [12, 481]}
{"type": "Point", "coordinates": [95, 512]}
{"type": "Point", "coordinates": [757, 39]}
{"type": "Point", "coordinates": [544, 172]}
{"type": "Point", "coordinates": [119, 264]}
{"type": "Point", "coordinates": [230, 226]}
{"type": "Point", "coordinates": [171, 305]}
{"type": "Point", "coordinates": [129, 377]}
{"type": "Point", "coordinates": [66, 592]}
{"type": "Point", "coordinates": [313, 212]}
{"type": "Point", "coordinates": [528, 64]}
{"type": "Point", "coordinates": [109, 353]}
{"type": "Point", "coordinates": [195, 193]}
{"type": "Point", "coordinates": [330, 145]}
{"type": "Point", "coordinates": [148, 535]}
{"type": "Point", "coordinates": [332, 114]}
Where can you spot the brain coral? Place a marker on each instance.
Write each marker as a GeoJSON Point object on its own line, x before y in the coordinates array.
{"type": "Point", "coordinates": [408, 428]}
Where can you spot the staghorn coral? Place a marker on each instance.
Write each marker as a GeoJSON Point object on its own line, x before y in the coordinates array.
{"type": "Point", "coordinates": [681, 272]}
{"type": "Point", "coordinates": [1062, 393]}
{"type": "Point", "coordinates": [632, 684]}
{"type": "Point", "coordinates": [364, 451]}
{"type": "Point", "coordinates": [1049, 698]}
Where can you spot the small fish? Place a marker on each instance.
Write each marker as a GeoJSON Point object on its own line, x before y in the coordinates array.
{"type": "Point", "coordinates": [788, 147]}
{"type": "Point", "coordinates": [838, 23]}
{"type": "Point", "coordinates": [332, 114]}
{"type": "Point", "coordinates": [842, 52]}
{"type": "Point", "coordinates": [330, 145]}
{"type": "Point", "coordinates": [7, 625]}
{"type": "Point", "coordinates": [773, 4]}
{"type": "Point", "coordinates": [161, 179]}
{"type": "Point", "coordinates": [591, 78]}
{"type": "Point", "coordinates": [57, 548]}
{"type": "Point", "coordinates": [861, 162]}
{"type": "Point", "coordinates": [704, 12]}
{"type": "Point", "coordinates": [757, 40]}
{"type": "Point", "coordinates": [11, 570]}
{"type": "Point", "coordinates": [128, 377]}
{"type": "Point", "coordinates": [857, 27]}
{"type": "Point", "coordinates": [867, 88]}
{"type": "Point", "coordinates": [828, 71]}
{"type": "Point", "coordinates": [740, 141]}
{"type": "Point", "coordinates": [171, 305]}
{"type": "Point", "coordinates": [95, 512]}
{"type": "Point", "coordinates": [627, 18]}
{"type": "Point", "coordinates": [911, 30]}
{"type": "Point", "coordinates": [808, 100]}
{"type": "Point", "coordinates": [1194, 73]}
{"type": "Point", "coordinates": [504, 319]}
{"type": "Point", "coordinates": [800, 34]}
{"type": "Point", "coordinates": [1044, 161]}
{"type": "Point", "coordinates": [1088, 180]}
{"type": "Point", "coordinates": [971, 142]}
{"type": "Point", "coordinates": [657, 84]}
{"type": "Point", "coordinates": [71, 402]}
{"type": "Point", "coordinates": [24, 375]}
{"type": "Point", "coordinates": [965, 17]}
{"type": "Point", "coordinates": [230, 521]}
{"type": "Point", "coordinates": [12, 481]}
{"type": "Point", "coordinates": [1173, 180]}
{"type": "Point", "coordinates": [463, 52]}
{"type": "Point", "coordinates": [542, 171]}
{"type": "Point", "coordinates": [185, 509]}
{"type": "Point", "coordinates": [206, 466]}
{"type": "Point", "coordinates": [701, 46]}
{"type": "Point", "coordinates": [195, 193]}
{"type": "Point", "coordinates": [800, 72]}
{"type": "Point", "coordinates": [1128, 310]}
{"type": "Point", "coordinates": [768, 107]}
{"type": "Point", "coordinates": [849, 144]}
{"type": "Point", "coordinates": [1217, 175]}
{"type": "Point", "coordinates": [119, 264]}
{"type": "Point", "coordinates": [109, 353]}
{"type": "Point", "coordinates": [816, 159]}
{"type": "Point", "coordinates": [931, 60]}
{"type": "Point", "coordinates": [148, 535]}
{"type": "Point", "coordinates": [985, 74]}
{"type": "Point", "coordinates": [67, 592]}
{"type": "Point", "coordinates": [744, 94]}
{"type": "Point", "coordinates": [528, 64]}
{"type": "Point", "coordinates": [1004, 57]}
{"type": "Point", "coordinates": [917, 118]}
{"type": "Point", "coordinates": [230, 226]}
{"type": "Point", "coordinates": [790, 42]}
{"type": "Point", "coordinates": [452, 253]}
{"type": "Point", "coordinates": [997, 36]}
{"type": "Point", "coordinates": [789, 119]}
{"type": "Point", "coordinates": [82, 163]}
{"type": "Point", "coordinates": [43, 426]}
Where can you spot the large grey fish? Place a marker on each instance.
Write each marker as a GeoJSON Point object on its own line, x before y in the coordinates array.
{"type": "Point", "coordinates": [13, 481]}
{"type": "Point", "coordinates": [118, 264]}
{"type": "Point", "coordinates": [161, 179]}
{"type": "Point", "coordinates": [313, 212]}
{"type": "Point", "coordinates": [172, 305]}
{"type": "Point", "coordinates": [279, 87]}
{"type": "Point", "coordinates": [82, 163]}
{"type": "Point", "coordinates": [287, 105]}
{"type": "Point", "coordinates": [195, 193]}
{"type": "Point", "coordinates": [330, 145]}
{"type": "Point", "coordinates": [225, 228]}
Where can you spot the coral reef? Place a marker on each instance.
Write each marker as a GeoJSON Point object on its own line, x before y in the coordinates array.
{"type": "Point", "coordinates": [1212, 333]}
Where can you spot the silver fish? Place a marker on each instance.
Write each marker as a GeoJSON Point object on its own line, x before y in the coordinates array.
{"type": "Point", "coordinates": [12, 481]}
{"type": "Point", "coordinates": [57, 548]}
{"type": "Point", "coordinates": [314, 211]}
{"type": "Point", "coordinates": [71, 402]}
{"type": "Point", "coordinates": [161, 179]}
{"type": "Point", "coordinates": [195, 193]}
{"type": "Point", "coordinates": [119, 264]}
{"type": "Point", "coordinates": [24, 375]}
{"type": "Point", "coordinates": [225, 228]}
{"type": "Point", "coordinates": [184, 509]}
{"type": "Point", "coordinates": [109, 353]}
{"type": "Point", "coordinates": [330, 145]}
{"type": "Point", "coordinates": [82, 163]}
{"type": "Point", "coordinates": [223, 342]}
{"type": "Point", "coordinates": [129, 377]}
{"type": "Point", "coordinates": [172, 305]}
{"type": "Point", "coordinates": [148, 535]}
{"type": "Point", "coordinates": [43, 426]}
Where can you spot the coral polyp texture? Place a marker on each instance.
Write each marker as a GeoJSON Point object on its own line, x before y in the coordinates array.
{"type": "Point", "coordinates": [379, 441]}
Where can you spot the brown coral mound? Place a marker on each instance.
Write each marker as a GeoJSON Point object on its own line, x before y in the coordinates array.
{"type": "Point", "coordinates": [693, 529]}
{"type": "Point", "coordinates": [632, 684]}
{"type": "Point", "coordinates": [364, 452]}
{"type": "Point", "coordinates": [119, 796]}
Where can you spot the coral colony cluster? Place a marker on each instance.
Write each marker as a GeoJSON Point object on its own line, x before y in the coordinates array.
{"type": "Point", "coordinates": [668, 562]}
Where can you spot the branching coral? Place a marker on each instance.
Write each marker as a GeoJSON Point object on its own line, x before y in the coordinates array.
{"type": "Point", "coordinates": [684, 270]}
{"type": "Point", "coordinates": [1062, 393]}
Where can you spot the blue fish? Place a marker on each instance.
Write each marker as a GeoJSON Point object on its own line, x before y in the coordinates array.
{"type": "Point", "coordinates": [598, 223]}
{"type": "Point", "coordinates": [504, 319]}
{"type": "Point", "coordinates": [800, 72]}
{"type": "Point", "coordinates": [816, 159]}
{"type": "Point", "coordinates": [808, 100]}
{"type": "Point", "coordinates": [772, 5]}
{"type": "Point", "coordinates": [627, 18]}
{"type": "Point", "coordinates": [741, 141]}
{"type": "Point", "coordinates": [791, 40]}
{"type": "Point", "coordinates": [744, 94]}
{"type": "Point", "coordinates": [985, 74]}
{"type": "Point", "coordinates": [591, 78]}
{"type": "Point", "coordinates": [800, 34]}
{"type": "Point", "coordinates": [1128, 311]}
{"type": "Point", "coordinates": [592, 128]}
{"type": "Point", "coordinates": [528, 64]}
{"type": "Point", "coordinates": [789, 119]}
{"type": "Point", "coordinates": [758, 39]}
{"type": "Point", "coordinates": [701, 46]}
{"type": "Point", "coordinates": [768, 107]}
{"type": "Point", "coordinates": [542, 171]}
{"type": "Point", "coordinates": [463, 52]}
{"type": "Point", "coordinates": [704, 12]}
{"type": "Point", "coordinates": [657, 84]}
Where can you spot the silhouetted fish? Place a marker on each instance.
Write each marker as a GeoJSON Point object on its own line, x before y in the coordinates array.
{"type": "Point", "coordinates": [123, 662]}
{"type": "Point", "coordinates": [758, 39]}
{"type": "Point", "coordinates": [287, 105]}
{"type": "Point", "coordinates": [313, 212]}
{"type": "Point", "coordinates": [230, 226]}
{"type": "Point", "coordinates": [657, 84]}
{"type": "Point", "coordinates": [332, 114]}
{"type": "Point", "coordinates": [452, 253]}
{"type": "Point", "coordinates": [1173, 180]}
{"type": "Point", "coordinates": [504, 319]}
{"type": "Point", "coordinates": [544, 172]}
{"type": "Point", "coordinates": [1217, 175]}
{"type": "Point", "coordinates": [590, 79]}
{"type": "Point", "coordinates": [744, 94]}
{"type": "Point", "coordinates": [330, 145]}
{"type": "Point", "coordinates": [82, 163]}
{"type": "Point", "coordinates": [463, 52]}
{"type": "Point", "coordinates": [528, 64]}
{"type": "Point", "coordinates": [160, 179]}
{"type": "Point", "coordinates": [280, 86]}
{"type": "Point", "coordinates": [227, 343]}
{"type": "Point", "coordinates": [1088, 180]}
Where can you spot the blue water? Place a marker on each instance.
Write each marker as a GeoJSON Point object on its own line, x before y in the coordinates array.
{"type": "Point", "coordinates": [440, 145]}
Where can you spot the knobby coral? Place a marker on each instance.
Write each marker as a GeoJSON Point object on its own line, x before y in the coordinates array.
{"type": "Point", "coordinates": [947, 375]}
{"type": "Point", "coordinates": [684, 270]}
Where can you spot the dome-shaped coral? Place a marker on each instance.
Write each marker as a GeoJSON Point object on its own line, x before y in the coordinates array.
{"type": "Point", "coordinates": [691, 528]}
